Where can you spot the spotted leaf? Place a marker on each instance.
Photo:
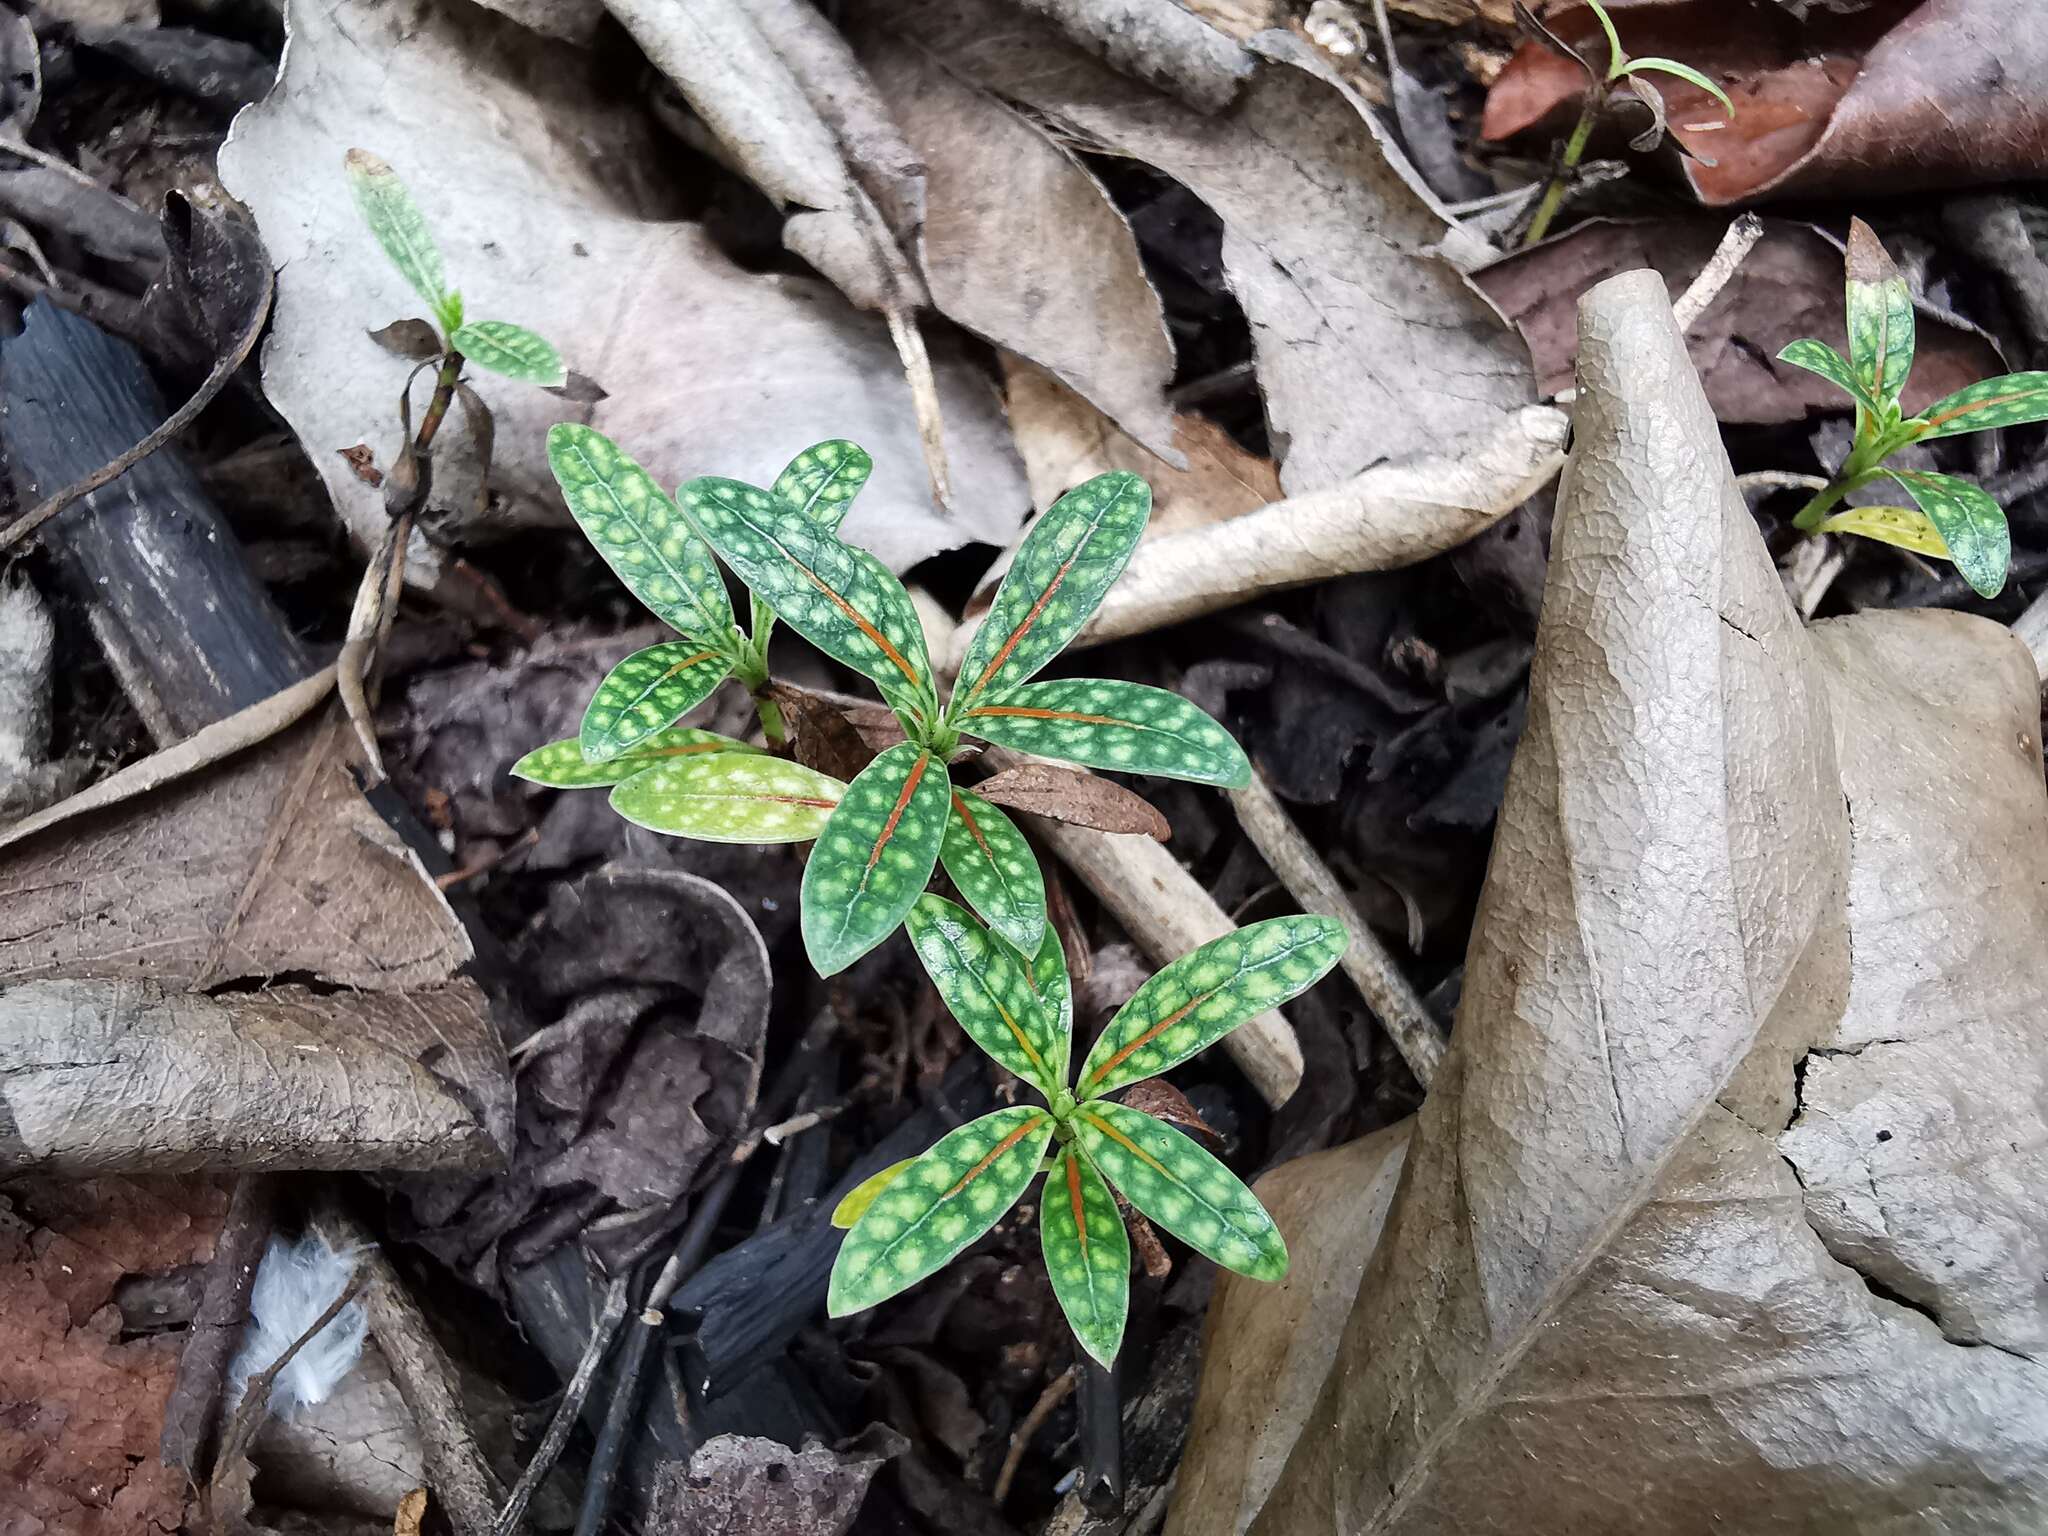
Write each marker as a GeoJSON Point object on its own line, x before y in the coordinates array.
{"type": "Point", "coordinates": [822, 481]}
{"type": "Point", "coordinates": [996, 871]}
{"type": "Point", "coordinates": [639, 532]}
{"type": "Point", "coordinates": [511, 350]}
{"type": "Point", "coordinates": [1054, 989]}
{"type": "Point", "coordinates": [984, 987]}
{"type": "Point", "coordinates": [401, 229]}
{"type": "Point", "coordinates": [1087, 1253]}
{"type": "Point", "coordinates": [874, 857]}
{"type": "Point", "coordinates": [647, 691]}
{"type": "Point", "coordinates": [841, 599]}
{"type": "Point", "coordinates": [1970, 522]}
{"type": "Point", "coordinates": [1904, 527]}
{"type": "Point", "coordinates": [1123, 726]}
{"type": "Point", "coordinates": [1182, 1188]}
{"type": "Point", "coordinates": [1880, 309]}
{"type": "Point", "coordinates": [2009, 400]}
{"type": "Point", "coordinates": [938, 1205]}
{"type": "Point", "coordinates": [1067, 562]}
{"type": "Point", "coordinates": [562, 765]}
{"type": "Point", "coordinates": [863, 1194]}
{"type": "Point", "coordinates": [1818, 357]}
{"type": "Point", "coordinates": [1207, 993]}
{"type": "Point", "coordinates": [730, 798]}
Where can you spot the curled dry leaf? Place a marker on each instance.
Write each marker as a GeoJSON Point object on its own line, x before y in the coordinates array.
{"type": "Point", "coordinates": [1787, 287]}
{"type": "Point", "coordinates": [1738, 1149]}
{"type": "Point", "coordinates": [744, 1485]}
{"type": "Point", "coordinates": [1314, 215]}
{"type": "Point", "coordinates": [510, 145]}
{"type": "Point", "coordinates": [1075, 796]}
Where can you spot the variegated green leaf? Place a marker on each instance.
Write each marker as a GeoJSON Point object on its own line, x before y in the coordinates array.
{"type": "Point", "coordinates": [1970, 522]}
{"type": "Point", "coordinates": [639, 532]}
{"type": "Point", "coordinates": [1880, 307]}
{"type": "Point", "coordinates": [1905, 527]}
{"type": "Point", "coordinates": [647, 691]}
{"type": "Point", "coordinates": [1067, 562]}
{"type": "Point", "coordinates": [1087, 1252]}
{"type": "Point", "coordinates": [983, 985]}
{"type": "Point", "coordinates": [1207, 993]}
{"type": "Point", "coordinates": [1818, 357]}
{"type": "Point", "coordinates": [562, 765]}
{"type": "Point", "coordinates": [937, 1206]}
{"type": "Point", "coordinates": [841, 599]}
{"type": "Point", "coordinates": [993, 866]}
{"type": "Point", "coordinates": [874, 857]}
{"type": "Point", "coordinates": [401, 229]}
{"type": "Point", "coordinates": [1055, 991]}
{"type": "Point", "coordinates": [730, 798]}
{"type": "Point", "coordinates": [1182, 1188]}
{"type": "Point", "coordinates": [2010, 400]}
{"type": "Point", "coordinates": [863, 1194]}
{"type": "Point", "coordinates": [511, 350]}
{"type": "Point", "coordinates": [822, 481]}
{"type": "Point", "coordinates": [1124, 726]}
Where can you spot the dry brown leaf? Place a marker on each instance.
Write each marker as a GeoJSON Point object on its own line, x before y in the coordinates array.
{"type": "Point", "coordinates": [1074, 796]}
{"type": "Point", "coordinates": [1789, 286]}
{"type": "Point", "coordinates": [743, 1485]}
{"type": "Point", "coordinates": [1370, 347]}
{"type": "Point", "coordinates": [1728, 1196]}
{"type": "Point", "coordinates": [412, 1509]}
{"type": "Point", "coordinates": [1022, 246]}
{"type": "Point", "coordinates": [521, 155]}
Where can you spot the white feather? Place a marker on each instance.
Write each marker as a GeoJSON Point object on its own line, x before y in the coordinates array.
{"type": "Point", "coordinates": [295, 1284]}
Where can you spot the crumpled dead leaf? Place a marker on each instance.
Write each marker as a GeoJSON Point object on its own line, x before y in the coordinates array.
{"type": "Point", "coordinates": [1789, 286]}
{"type": "Point", "coordinates": [121, 1052]}
{"type": "Point", "coordinates": [1723, 1211]}
{"type": "Point", "coordinates": [1077, 797]}
{"type": "Point", "coordinates": [515, 150]}
{"type": "Point", "coordinates": [1890, 98]}
{"type": "Point", "coordinates": [1370, 346]}
{"type": "Point", "coordinates": [744, 1485]}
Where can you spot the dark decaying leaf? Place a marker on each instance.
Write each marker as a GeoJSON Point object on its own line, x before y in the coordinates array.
{"type": "Point", "coordinates": [413, 339]}
{"type": "Point", "coordinates": [1072, 795]}
{"type": "Point", "coordinates": [1156, 1097]}
{"type": "Point", "coordinates": [820, 735]}
{"type": "Point", "coordinates": [743, 1485]}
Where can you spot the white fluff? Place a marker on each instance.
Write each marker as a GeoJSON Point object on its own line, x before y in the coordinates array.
{"type": "Point", "coordinates": [295, 1284]}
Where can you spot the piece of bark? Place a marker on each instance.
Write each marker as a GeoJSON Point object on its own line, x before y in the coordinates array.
{"type": "Point", "coordinates": [1158, 42]}
{"type": "Point", "coordinates": [1077, 798]}
{"type": "Point", "coordinates": [1752, 902]}
{"type": "Point", "coordinates": [190, 1415]}
{"type": "Point", "coordinates": [222, 74]}
{"type": "Point", "coordinates": [107, 225]}
{"type": "Point", "coordinates": [745, 1485]}
{"type": "Point", "coordinates": [189, 632]}
{"type": "Point", "coordinates": [1154, 1430]}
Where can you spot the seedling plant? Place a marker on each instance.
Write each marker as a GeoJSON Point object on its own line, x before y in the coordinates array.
{"type": "Point", "coordinates": [910, 1220]}
{"type": "Point", "coordinates": [880, 837]}
{"type": "Point", "coordinates": [1620, 71]}
{"type": "Point", "coordinates": [1952, 518]}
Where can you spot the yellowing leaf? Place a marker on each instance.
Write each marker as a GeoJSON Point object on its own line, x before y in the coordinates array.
{"type": "Point", "coordinates": [730, 798]}
{"type": "Point", "coordinates": [1906, 527]}
{"type": "Point", "coordinates": [562, 765]}
{"type": "Point", "coordinates": [862, 1195]}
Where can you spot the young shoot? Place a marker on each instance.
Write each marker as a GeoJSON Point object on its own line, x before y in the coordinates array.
{"type": "Point", "coordinates": [1952, 518]}
{"type": "Point", "coordinates": [1620, 72]}
{"type": "Point", "coordinates": [910, 1220]}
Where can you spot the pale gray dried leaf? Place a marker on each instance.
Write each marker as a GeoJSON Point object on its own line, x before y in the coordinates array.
{"type": "Point", "coordinates": [516, 163]}
{"type": "Point", "coordinates": [359, 1451]}
{"type": "Point", "coordinates": [1022, 246]}
{"type": "Point", "coordinates": [1370, 347]}
{"type": "Point", "coordinates": [1156, 41]}
{"type": "Point", "coordinates": [1075, 796]}
{"type": "Point", "coordinates": [1708, 874]}
{"type": "Point", "coordinates": [573, 21]}
{"type": "Point", "coordinates": [745, 1485]}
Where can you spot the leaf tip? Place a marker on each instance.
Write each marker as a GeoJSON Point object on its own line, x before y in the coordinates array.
{"type": "Point", "coordinates": [1866, 260]}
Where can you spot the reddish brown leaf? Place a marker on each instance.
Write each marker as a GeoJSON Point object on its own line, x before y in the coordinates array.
{"type": "Point", "coordinates": [1157, 1097]}
{"type": "Point", "coordinates": [1075, 796]}
{"type": "Point", "coordinates": [820, 734]}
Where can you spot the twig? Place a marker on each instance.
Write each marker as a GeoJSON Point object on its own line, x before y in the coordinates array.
{"type": "Point", "coordinates": [1057, 1391]}
{"type": "Point", "coordinates": [1419, 1038]}
{"type": "Point", "coordinates": [1736, 244]}
{"type": "Point", "coordinates": [776, 1135]}
{"type": "Point", "coordinates": [513, 1515]}
{"type": "Point", "coordinates": [485, 863]}
{"type": "Point", "coordinates": [209, 745]}
{"type": "Point", "coordinates": [189, 1417]}
{"type": "Point", "coordinates": [176, 422]}
{"type": "Point", "coordinates": [1102, 1438]}
{"type": "Point", "coordinates": [1778, 480]}
{"type": "Point", "coordinates": [2032, 628]}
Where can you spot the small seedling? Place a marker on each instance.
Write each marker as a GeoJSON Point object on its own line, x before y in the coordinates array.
{"type": "Point", "coordinates": [401, 229]}
{"type": "Point", "coordinates": [910, 1220]}
{"type": "Point", "coordinates": [1621, 72]}
{"type": "Point", "coordinates": [880, 837]}
{"type": "Point", "coordinates": [1953, 519]}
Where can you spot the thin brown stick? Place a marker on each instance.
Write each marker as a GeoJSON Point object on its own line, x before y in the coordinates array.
{"type": "Point", "coordinates": [176, 422]}
{"type": "Point", "coordinates": [1057, 1391]}
{"type": "Point", "coordinates": [1736, 244]}
{"type": "Point", "coordinates": [616, 1297]}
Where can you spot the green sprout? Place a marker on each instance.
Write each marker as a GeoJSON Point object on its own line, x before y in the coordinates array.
{"type": "Point", "coordinates": [401, 229]}
{"type": "Point", "coordinates": [879, 838]}
{"type": "Point", "coordinates": [911, 1219]}
{"type": "Point", "coordinates": [1621, 70]}
{"type": "Point", "coordinates": [1952, 519]}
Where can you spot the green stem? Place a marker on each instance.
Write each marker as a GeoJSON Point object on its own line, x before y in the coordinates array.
{"type": "Point", "coordinates": [1574, 150]}
{"type": "Point", "coordinates": [1824, 500]}
{"type": "Point", "coordinates": [772, 724]}
{"type": "Point", "coordinates": [752, 672]}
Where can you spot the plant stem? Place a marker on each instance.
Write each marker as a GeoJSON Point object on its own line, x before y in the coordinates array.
{"type": "Point", "coordinates": [1824, 500]}
{"type": "Point", "coordinates": [1574, 150]}
{"type": "Point", "coordinates": [752, 671]}
{"type": "Point", "coordinates": [437, 407]}
{"type": "Point", "coordinates": [773, 726]}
